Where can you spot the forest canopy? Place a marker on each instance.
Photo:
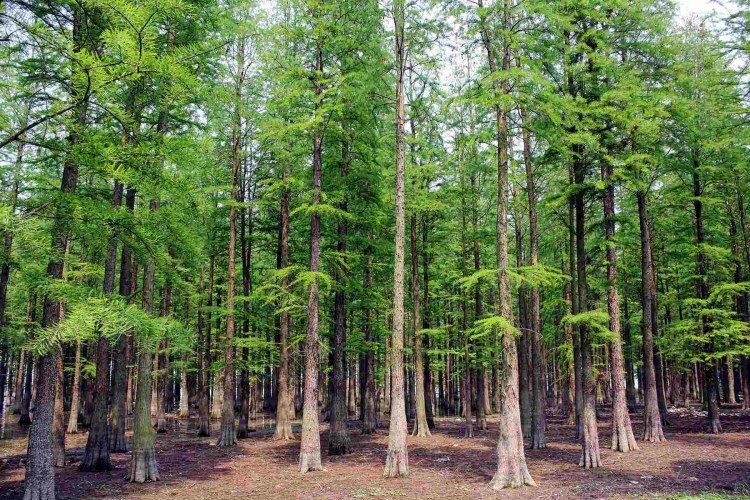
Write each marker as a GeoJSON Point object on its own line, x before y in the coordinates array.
{"type": "Point", "coordinates": [352, 216]}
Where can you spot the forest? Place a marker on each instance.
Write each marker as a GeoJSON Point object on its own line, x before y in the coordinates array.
{"type": "Point", "coordinates": [374, 248]}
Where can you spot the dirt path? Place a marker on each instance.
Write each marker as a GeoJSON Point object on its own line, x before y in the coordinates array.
{"type": "Point", "coordinates": [444, 466]}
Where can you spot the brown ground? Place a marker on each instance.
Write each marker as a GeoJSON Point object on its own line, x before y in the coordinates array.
{"type": "Point", "coordinates": [443, 466]}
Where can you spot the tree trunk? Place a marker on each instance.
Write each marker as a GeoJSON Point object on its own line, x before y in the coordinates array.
{"type": "Point", "coordinates": [511, 459]}
{"type": "Point", "coordinates": [227, 433]}
{"type": "Point", "coordinates": [369, 414]}
{"type": "Point", "coordinates": [397, 459]}
{"type": "Point", "coordinates": [652, 429]}
{"type": "Point", "coordinates": [120, 388]}
{"type": "Point", "coordinates": [590, 456]}
{"type": "Point", "coordinates": [421, 429]}
{"type": "Point", "coordinates": [204, 334]}
{"type": "Point", "coordinates": [96, 456]}
{"type": "Point", "coordinates": [285, 407]}
{"type": "Point", "coordinates": [339, 442]}
{"type": "Point", "coordinates": [538, 421]}
{"type": "Point", "coordinates": [40, 471]}
{"type": "Point", "coordinates": [622, 431]}
{"type": "Point", "coordinates": [309, 457]}
{"type": "Point", "coordinates": [143, 462]}
{"type": "Point", "coordinates": [75, 398]}
{"type": "Point", "coordinates": [58, 419]}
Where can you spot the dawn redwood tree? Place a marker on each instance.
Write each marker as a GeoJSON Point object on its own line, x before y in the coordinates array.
{"type": "Point", "coordinates": [285, 405]}
{"type": "Point", "coordinates": [40, 472]}
{"type": "Point", "coordinates": [397, 458]}
{"type": "Point", "coordinates": [652, 429]}
{"type": "Point", "coordinates": [512, 471]}
{"type": "Point", "coordinates": [96, 455]}
{"type": "Point", "coordinates": [622, 431]}
{"type": "Point", "coordinates": [143, 461]}
{"type": "Point", "coordinates": [309, 457]}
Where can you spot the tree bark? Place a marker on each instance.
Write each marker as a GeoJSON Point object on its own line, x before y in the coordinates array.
{"type": "Point", "coordinates": [538, 420]}
{"type": "Point", "coordinates": [285, 407]}
{"type": "Point", "coordinates": [512, 470]}
{"type": "Point", "coordinates": [96, 455]}
{"type": "Point", "coordinates": [75, 398]}
{"type": "Point", "coordinates": [652, 429]}
{"type": "Point", "coordinates": [397, 459]}
{"type": "Point", "coordinates": [421, 429]}
{"type": "Point", "coordinates": [40, 471]}
{"type": "Point", "coordinates": [143, 462]}
{"type": "Point", "coordinates": [590, 455]}
{"type": "Point", "coordinates": [309, 457]}
{"type": "Point", "coordinates": [622, 431]}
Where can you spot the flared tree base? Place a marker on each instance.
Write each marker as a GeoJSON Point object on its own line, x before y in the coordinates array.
{"type": "Point", "coordinates": [143, 467]}
{"type": "Point", "coordinates": [96, 457]}
{"type": "Point", "coordinates": [204, 428]}
{"type": "Point", "coordinates": [44, 490]}
{"type": "Point", "coordinates": [227, 437]}
{"type": "Point", "coordinates": [118, 443]}
{"type": "Point", "coordinates": [309, 461]}
{"type": "Point", "coordinates": [396, 463]}
{"type": "Point", "coordinates": [283, 431]}
{"type": "Point", "coordinates": [421, 429]}
{"type": "Point", "coordinates": [652, 431]}
{"type": "Point", "coordinates": [623, 439]}
{"type": "Point", "coordinates": [590, 458]}
{"type": "Point", "coordinates": [339, 444]}
{"type": "Point", "coordinates": [517, 479]}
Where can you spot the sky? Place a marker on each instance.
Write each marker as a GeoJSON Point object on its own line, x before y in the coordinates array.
{"type": "Point", "coordinates": [696, 7]}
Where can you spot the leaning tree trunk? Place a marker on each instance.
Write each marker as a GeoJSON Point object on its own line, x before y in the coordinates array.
{"type": "Point", "coordinates": [309, 456]}
{"type": "Point", "coordinates": [397, 459]}
{"type": "Point", "coordinates": [652, 428]}
{"type": "Point", "coordinates": [143, 462]}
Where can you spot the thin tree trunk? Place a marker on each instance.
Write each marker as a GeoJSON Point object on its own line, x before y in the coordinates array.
{"type": "Point", "coordinates": [369, 414]}
{"type": "Point", "coordinates": [204, 333]}
{"type": "Point", "coordinates": [397, 459]}
{"type": "Point", "coordinates": [652, 429]}
{"type": "Point", "coordinates": [285, 407]}
{"type": "Point", "coordinates": [538, 420]}
{"type": "Point", "coordinates": [75, 398]}
{"type": "Point", "coordinates": [421, 429]}
{"type": "Point", "coordinates": [309, 457]}
{"type": "Point", "coordinates": [339, 442]}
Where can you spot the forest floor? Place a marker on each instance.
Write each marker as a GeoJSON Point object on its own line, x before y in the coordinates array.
{"type": "Point", "coordinates": [445, 465]}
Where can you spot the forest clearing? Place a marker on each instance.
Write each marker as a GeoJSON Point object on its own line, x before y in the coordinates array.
{"type": "Point", "coordinates": [374, 248]}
